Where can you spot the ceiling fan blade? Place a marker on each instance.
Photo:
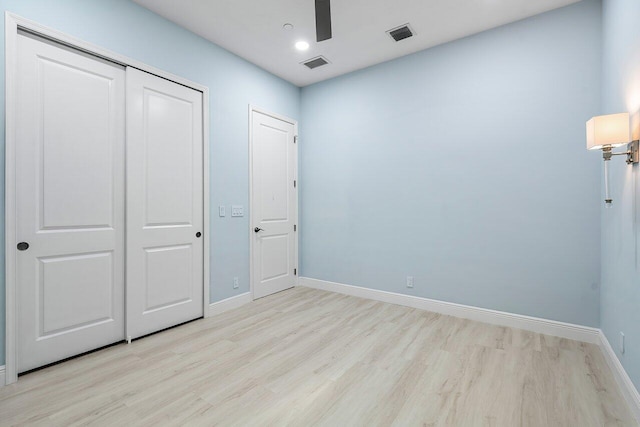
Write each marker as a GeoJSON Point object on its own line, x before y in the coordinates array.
{"type": "Point", "coordinates": [323, 20]}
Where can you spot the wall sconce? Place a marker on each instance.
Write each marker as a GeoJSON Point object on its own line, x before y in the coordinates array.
{"type": "Point", "coordinates": [608, 132]}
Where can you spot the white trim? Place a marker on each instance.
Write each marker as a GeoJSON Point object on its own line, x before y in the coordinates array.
{"type": "Point", "coordinates": [11, 78]}
{"type": "Point", "coordinates": [274, 115]}
{"type": "Point", "coordinates": [206, 219]}
{"type": "Point", "coordinates": [528, 323]}
{"type": "Point", "coordinates": [250, 204]}
{"type": "Point", "coordinates": [79, 44]}
{"type": "Point", "coordinates": [2, 376]}
{"type": "Point", "coordinates": [627, 388]}
{"type": "Point", "coordinates": [12, 24]}
{"type": "Point", "coordinates": [229, 303]}
{"type": "Point", "coordinates": [285, 119]}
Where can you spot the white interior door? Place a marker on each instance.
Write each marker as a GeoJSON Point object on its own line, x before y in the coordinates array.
{"type": "Point", "coordinates": [164, 203]}
{"type": "Point", "coordinates": [273, 204]}
{"type": "Point", "coordinates": [70, 202]}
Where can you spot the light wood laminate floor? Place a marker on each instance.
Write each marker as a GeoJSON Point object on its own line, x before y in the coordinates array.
{"type": "Point", "coordinates": [305, 357]}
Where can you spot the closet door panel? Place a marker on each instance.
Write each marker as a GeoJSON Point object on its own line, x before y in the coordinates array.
{"type": "Point", "coordinates": [70, 202]}
{"type": "Point", "coordinates": [164, 204]}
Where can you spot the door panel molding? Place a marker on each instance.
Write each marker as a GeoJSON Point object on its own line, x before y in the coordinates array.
{"type": "Point", "coordinates": [14, 24]}
{"type": "Point", "coordinates": [252, 245]}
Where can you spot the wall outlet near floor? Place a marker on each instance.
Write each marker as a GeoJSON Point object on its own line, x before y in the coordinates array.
{"type": "Point", "coordinates": [409, 281]}
{"type": "Point", "coordinates": [236, 283]}
{"type": "Point", "coordinates": [621, 343]}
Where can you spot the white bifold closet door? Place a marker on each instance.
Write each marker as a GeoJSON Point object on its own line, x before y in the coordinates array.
{"type": "Point", "coordinates": [164, 204]}
{"type": "Point", "coordinates": [70, 202]}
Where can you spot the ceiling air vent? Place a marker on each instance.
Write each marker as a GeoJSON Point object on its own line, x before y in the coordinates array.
{"type": "Point", "coordinates": [316, 62]}
{"type": "Point", "coordinates": [401, 33]}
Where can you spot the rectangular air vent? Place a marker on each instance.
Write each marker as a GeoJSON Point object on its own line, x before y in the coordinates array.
{"type": "Point", "coordinates": [400, 33]}
{"type": "Point", "coordinates": [316, 62]}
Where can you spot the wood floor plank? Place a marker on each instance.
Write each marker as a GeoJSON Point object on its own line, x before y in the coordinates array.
{"type": "Point", "coordinates": [306, 357]}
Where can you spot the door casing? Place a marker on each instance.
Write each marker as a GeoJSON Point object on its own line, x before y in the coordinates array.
{"type": "Point", "coordinates": [13, 23]}
{"type": "Point", "coordinates": [252, 109]}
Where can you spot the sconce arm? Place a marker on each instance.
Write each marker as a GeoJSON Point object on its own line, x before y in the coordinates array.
{"type": "Point", "coordinates": [632, 153]}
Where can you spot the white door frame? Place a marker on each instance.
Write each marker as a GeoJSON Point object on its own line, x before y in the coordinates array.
{"type": "Point", "coordinates": [252, 109]}
{"type": "Point", "coordinates": [12, 24]}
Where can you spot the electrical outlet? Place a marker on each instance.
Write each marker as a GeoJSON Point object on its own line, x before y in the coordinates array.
{"type": "Point", "coordinates": [621, 343]}
{"type": "Point", "coordinates": [409, 281]}
{"type": "Point", "coordinates": [236, 283]}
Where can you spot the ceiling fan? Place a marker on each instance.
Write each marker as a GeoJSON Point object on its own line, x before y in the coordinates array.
{"type": "Point", "coordinates": [323, 20]}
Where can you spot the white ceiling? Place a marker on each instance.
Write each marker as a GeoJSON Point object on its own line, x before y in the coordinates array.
{"type": "Point", "coordinates": [253, 29]}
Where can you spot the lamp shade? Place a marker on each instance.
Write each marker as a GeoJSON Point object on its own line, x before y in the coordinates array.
{"type": "Point", "coordinates": [611, 130]}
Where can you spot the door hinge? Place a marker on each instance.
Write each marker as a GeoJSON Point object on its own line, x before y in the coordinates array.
{"type": "Point", "coordinates": [295, 139]}
{"type": "Point", "coordinates": [295, 183]}
{"type": "Point", "coordinates": [295, 227]}
{"type": "Point", "coordinates": [295, 271]}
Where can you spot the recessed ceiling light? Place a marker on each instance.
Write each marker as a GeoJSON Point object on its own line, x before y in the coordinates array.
{"type": "Point", "coordinates": [302, 45]}
{"type": "Point", "coordinates": [287, 27]}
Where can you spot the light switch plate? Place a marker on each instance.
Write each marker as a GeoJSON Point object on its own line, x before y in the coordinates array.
{"type": "Point", "coordinates": [222, 211]}
{"type": "Point", "coordinates": [237, 210]}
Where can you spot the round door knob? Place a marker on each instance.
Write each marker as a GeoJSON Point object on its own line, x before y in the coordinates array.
{"type": "Point", "coordinates": [258, 229]}
{"type": "Point", "coordinates": [23, 246]}
{"type": "Point", "coordinates": [198, 234]}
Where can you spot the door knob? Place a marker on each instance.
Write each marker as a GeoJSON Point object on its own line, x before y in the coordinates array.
{"type": "Point", "coordinates": [258, 229]}
{"type": "Point", "coordinates": [23, 246]}
{"type": "Point", "coordinates": [198, 234]}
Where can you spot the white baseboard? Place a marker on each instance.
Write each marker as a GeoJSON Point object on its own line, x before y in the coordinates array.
{"type": "Point", "coordinates": [3, 380]}
{"type": "Point", "coordinates": [533, 324]}
{"type": "Point", "coordinates": [627, 388]}
{"type": "Point", "coordinates": [229, 304]}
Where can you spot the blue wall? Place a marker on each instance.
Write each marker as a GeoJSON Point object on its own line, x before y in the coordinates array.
{"type": "Point", "coordinates": [620, 296]}
{"type": "Point", "coordinates": [463, 166]}
{"type": "Point", "coordinates": [126, 28]}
